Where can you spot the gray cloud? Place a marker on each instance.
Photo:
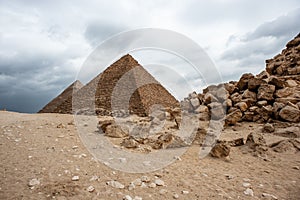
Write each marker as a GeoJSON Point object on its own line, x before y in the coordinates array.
{"type": "Point", "coordinates": [43, 44]}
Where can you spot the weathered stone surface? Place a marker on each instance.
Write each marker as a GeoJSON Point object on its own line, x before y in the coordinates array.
{"type": "Point", "coordinates": [247, 94]}
{"type": "Point", "coordinates": [243, 82]}
{"type": "Point", "coordinates": [242, 106]}
{"type": "Point", "coordinates": [217, 110]}
{"type": "Point", "coordinates": [290, 114]}
{"type": "Point", "coordinates": [269, 128]}
{"type": "Point", "coordinates": [209, 98]}
{"type": "Point", "coordinates": [115, 131]}
{"type": "Point", "coordinates": [230, 87]}
{"type": "Point", "coordinates": [220, 150]}
{"type": "Point", "coordinates": [236, 97]}
{"type": "Point", "coordinates": [254, 83]}
{"type": "Point", "coordinates": [234, 117]}
{"type": "Point", "coordinates": [265, 92]}
{"type": "Point", "coordinates": [201, 109]}
{"type": "Point", "coordinates": [195, 102]}
{"type": "Point", "coordinates": [277, 82]}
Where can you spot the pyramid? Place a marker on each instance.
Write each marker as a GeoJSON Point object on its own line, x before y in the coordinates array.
{"type": "Point", "coordinates": [124, 85]}
{"type": "Point", "coordinates": [62, 97]}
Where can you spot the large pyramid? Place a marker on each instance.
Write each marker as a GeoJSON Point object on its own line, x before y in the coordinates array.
{"type": "Point", "coordinates": [66, 94]}
{"type": "Point", "coordinates": [125, 85]}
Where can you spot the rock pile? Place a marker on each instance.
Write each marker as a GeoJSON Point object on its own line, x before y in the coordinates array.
{"type": "Point", "coordinates": [273, 94]}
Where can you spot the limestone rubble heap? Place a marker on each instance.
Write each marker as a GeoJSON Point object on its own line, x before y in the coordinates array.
{"type": "Point", "coordinates": [274, 94]}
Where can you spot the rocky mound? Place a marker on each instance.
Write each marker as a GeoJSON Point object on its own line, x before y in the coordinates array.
{"type": "Point", "coordinates": [273, 94]}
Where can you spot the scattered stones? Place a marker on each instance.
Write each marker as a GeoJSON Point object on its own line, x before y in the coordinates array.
{"type": "Point", "coordinates": [115, 184]}
{"type": "Point", "coordinates": [246, 185]}
{"type": "Point", "coordinates": [249, 192]}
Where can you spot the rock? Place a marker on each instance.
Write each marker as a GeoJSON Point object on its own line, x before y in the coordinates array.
{"type": "Point", "coordinates": [277, 82]}
{"type": "Point", "coordinates": [249, 192]}
{"type": "Point", "coordinates": [61, 125]}
{"type": "Point", "coordinates": [90, 189]}
{"type": "Point", "coordinates": [268, 196]}
{"type": "Point", "coordinates": [137, 198]}
{"type": "Point", "coordinates": [290, 132]}
{"type": "Point", "coordinates": [296, 167]}
{"type": "Point", "coordinates": [265, 92]}
{"type": "Point", "coordinates": [175, 196]}
{"type": "Point", "coordinates": [246, 185]}
{"type": "Point", "coordinates": [186, 105]}
{"type": "Point", "coordinates": [152, 185]}
{"type": "Point", "coordinates": [75, 178]}
{"type": "Point", "coordinates": [115, 131]}
{"type": "Point", "coordinates": [263, 75]}
{"type": "Point", "coordinates": [145, 179]}
{"type": "Point", "coordinates": [236, 142]}
{"type": "Point", "coordinates": [290, 114]}
{"type": "Point", "coordinates": [254, 83]}
{"type": "Point", "coordinates": [217, 110]}
{"type": "Point", "coordinates": [159, 182]}
{"type": "Point", "coordinates": [243, 82]}
{"type": "Point", "coordinates": [247, 94]}
{"type": "Point", "coordinates": [285, 92]}
{"type": "Point", "coordinates": [33, 182]}
{"type": "Point", "coordinates": [127, 197]}
{"type": "Point", "coordinates": [262, 103]}
{"type": "Point", "coordinates": [163, 191]}
{"type": "Point", "coordinates": [129, 143]}
{"type": "Point", "coordinates": [201, 109]}
{"type": "Point", "coordinates": [227, 103]}
{"type": "Point", "coordinates": [236, 97]}
{"type": "Point", "coordinates": [230, 87]}
{"type": "Point", "coordinates": [291, 145]}
{"type": "Point", "coordinates": [115, 184]}
{"type": "Point", "coordinates": [185, 192]}
{"type": "Point", "coordinates": [242, 106]}
{"type": "Point", "coordinates": [220, 150]}
{"type": "Point", "coordinates": [233, 117]}
{"type": "Point", "coordinates": [269, 128]}
{"type": "Point", "coordinates": [254, 140]}
{"type": "Point", "coordinates": [248, 116]}
{"type": "Point", "coordinates": [209, 98]}
{"type": "Point", "coordinates": [137, 182]}
{"type": "Point", "coordinates": [195, 102]}
{"type": "Point", "coordinates": [291, 83]}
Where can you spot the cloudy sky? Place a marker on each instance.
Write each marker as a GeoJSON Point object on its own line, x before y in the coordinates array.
{"type": "Point", "coordinates": [43, 44]}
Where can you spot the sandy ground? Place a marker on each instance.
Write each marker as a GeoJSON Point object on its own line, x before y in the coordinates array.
{"type": "Point", "coordinates": [33, 147]}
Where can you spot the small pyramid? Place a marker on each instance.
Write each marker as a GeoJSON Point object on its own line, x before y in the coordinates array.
{"type": "Point", "coordinates": [125, 82]}
{"type": "Point", "coordinates": [52, 105]}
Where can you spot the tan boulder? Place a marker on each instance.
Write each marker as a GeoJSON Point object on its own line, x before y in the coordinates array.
{"type": "Point", "coordinates": [290, 114]}
{"type": "Point", "coordinates": [233, 117]}
{"type": "Point", "coordinates": [242, 106]}
{"type": "Point", "coordinates": [243, 82]}
{"type": "Point", "coordinates": [265, 92]}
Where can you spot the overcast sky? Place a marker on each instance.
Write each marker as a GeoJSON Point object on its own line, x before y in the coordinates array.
{"type": "Point", "coordinates": [43, 44]}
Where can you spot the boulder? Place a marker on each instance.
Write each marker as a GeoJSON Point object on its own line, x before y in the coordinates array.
{"type": "Point", "coordinates": [233, 117]}
{"type": "Point", "coordinates": [269, 128]}
{"type": "Point", "coordinates": [291, 83]}
{"type": "Point", "coordinates": [217, 110]}
{"type": "Point", "coordinates": [242, 106]}
{"type": "Point", "coordinates": [208, 98]}
{"type": "Point", "coordinates": [247, 94]}
{"type": "Point", "coordinates": [231, 88]}
{"type": "Point", "coordinates": [236, 97]}
{"type": "Point", "coordinates": [265, 92]}
{"type": "Point", "coordinates": [195, 102]}
{"type": "Point", "coordinates": [277, 82]}
{"type": "Point", "coordinates": [220, 150]}
{"type": "Point", "coordinates": [248, 116]}
{"type": "Point", "coordinates": [115, 131]}
{"type": "Point", "coordinates": [243, 82]}
{"type": "Point", "coordinates": [254, 83]}
{"type": "Point", "coordinates": [201, 109]}
{"type": "Point", "coordinates": [262, 103]}
{"type": "Point", "coordinates": [285, 92]}
{"type": "Point", "coordinates": [290, 114]}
